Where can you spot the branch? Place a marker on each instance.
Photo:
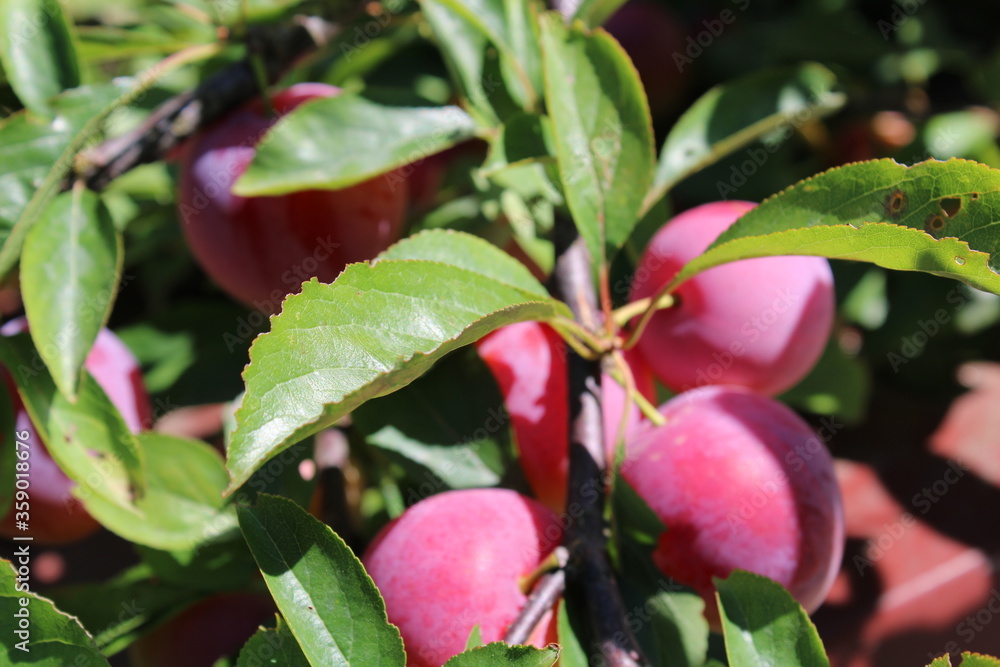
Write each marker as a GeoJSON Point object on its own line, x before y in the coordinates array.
{"type": "Point", "coordinates": [589, 568]}
{"type": "Point", "coordinates": [547, 592]}
{"type": "Point", "coordinates": [181, 116]}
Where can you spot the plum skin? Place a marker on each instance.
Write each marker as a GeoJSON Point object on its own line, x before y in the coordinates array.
{"type": "Point", "coordinates": [259, 249]}
{"type": "Point", "coordinates": [760, 323]}
{"type": "Point", "coordinates": [455, 560]}
{"type": "Point", "coordinates": [740, 481]}
{"type": "Point", "coordinates": [57, 517]}
{"type": "Point", "coordinates": [528, 361]}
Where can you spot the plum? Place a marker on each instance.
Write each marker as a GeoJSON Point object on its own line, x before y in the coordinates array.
{"type": "Point", "coordinates": [759, 323]}
{"type": "Point", "coordinates": [456, 560]}
{"type": "Point", "coordinates": [259, 249]}
{"type": "Point", "coordinates": [528, 360]}
{"type": "Point", "coordinates": [740, 481]}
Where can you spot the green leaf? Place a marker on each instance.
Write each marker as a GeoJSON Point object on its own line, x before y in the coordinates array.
{"type": "Point", "coordinates": [732, 115]}
{"type": "Point", "coordinates": [524, 35]}
{"type": "Point", "coordinates": [88, 439]}
{"type": "Point", "coordinates": [48, 156]}
{"type": "Point", "coordinates": [978, 660]}
{"type": "Point", "coordinates": [8, 451]}
{"type": "Point", "coordinates": [603, 132]}
{"type": "Point", "coordinates": [448, 428]}
{"type": "Point", "coordinates": [465, 50]}
{"type": "Point", "coordinates": [219, 565]}
{"type": "Point", "coordinates": [275, 647]}
{"type": "Point", "coordinates": [507, 26]}
{"type": "Point", "coordinates": [936, 217]}
{"type": "Point", "coordinates": [37, 632]}
{"type": "Point", "coordinates": [340, 141]}
{"type": "Point", "coordinates": [70, 267]}
{"type": "Point", "coordinates": [37, 154]}
{"type": "Point", "coordinates": [475, 638]}
{"type": "Point", "coordinates": [373, 331]}
{"type": "Point", "coordinates": [573, 653]}
{"type": "Point", "coordinates": [330, 603]}
{"type": "Point", "coordinates": [119, 611]}
{"type": "Point", "coordinates": [37, 51]}
{"type": "Point", "coordinates": [763, 625]}
{"type": "Point", "coordinates": [523, 139]}
{"type": "Point", "coordinates": [499, 653]}
{"type": "Point", "coordinates": [595, 12]}
{"type": "Point", "coordinates": [464, 251]}
{"type": "Point", "coordinates": [183, 504]}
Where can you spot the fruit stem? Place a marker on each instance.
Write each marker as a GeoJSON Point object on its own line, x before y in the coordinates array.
{"type": "Point", "coordinates": [654, 304]}
{"type": "Point", "coordinates": [554, 561]}
{"type": "Point", "coordinates": [628, 311]}
{"type": "Point", "coordinates": [623, 375]}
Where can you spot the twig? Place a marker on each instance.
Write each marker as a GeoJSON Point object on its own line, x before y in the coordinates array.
{"type": "Point", "coordinates": [179, 117]}
{"type": "Point", "coordinates": [589, 568]}
{"type": "Point", "coordinates": [547, 592]}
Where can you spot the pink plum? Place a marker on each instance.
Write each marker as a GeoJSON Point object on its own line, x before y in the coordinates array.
{"type": "Point", "coordinates": [528, 360]}
{"type": "Point", "coordinates": [740, 481]}
{"type": "Point", "coordinates": [759, 323]}
{"type": "Point", "coordinates": [456, 560]}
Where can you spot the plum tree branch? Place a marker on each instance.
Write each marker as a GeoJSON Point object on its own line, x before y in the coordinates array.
{"type": "Point", "coordinates": [585, 536]}
{"type": "Point", "coordinates": [546, 593]}
{"type": "Point", "coordinates": [277, 48]}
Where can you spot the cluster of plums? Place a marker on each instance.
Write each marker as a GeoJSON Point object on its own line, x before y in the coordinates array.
{"type": "Point", "coordinates": [738, 479]}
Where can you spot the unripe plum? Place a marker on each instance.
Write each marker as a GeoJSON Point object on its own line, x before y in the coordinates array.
{"type": "Point", "coordinates": [740, 481]}
{"type": "Point", "coordinates": [759, 323]}
{"type": "Point", "coordinates": [205, 632]}
{"type": "Point", "coordinates": [56, 516]}
{"type": "Point", "coordinates": [258, 249]}
{"type": "Point", "coordinates": [528, 360]}
{"type": "Point", "coordinates": [456, 560]}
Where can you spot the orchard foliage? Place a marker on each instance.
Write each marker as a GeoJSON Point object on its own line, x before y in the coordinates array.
{"type": "Point", "coordinates": [405, 243]}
